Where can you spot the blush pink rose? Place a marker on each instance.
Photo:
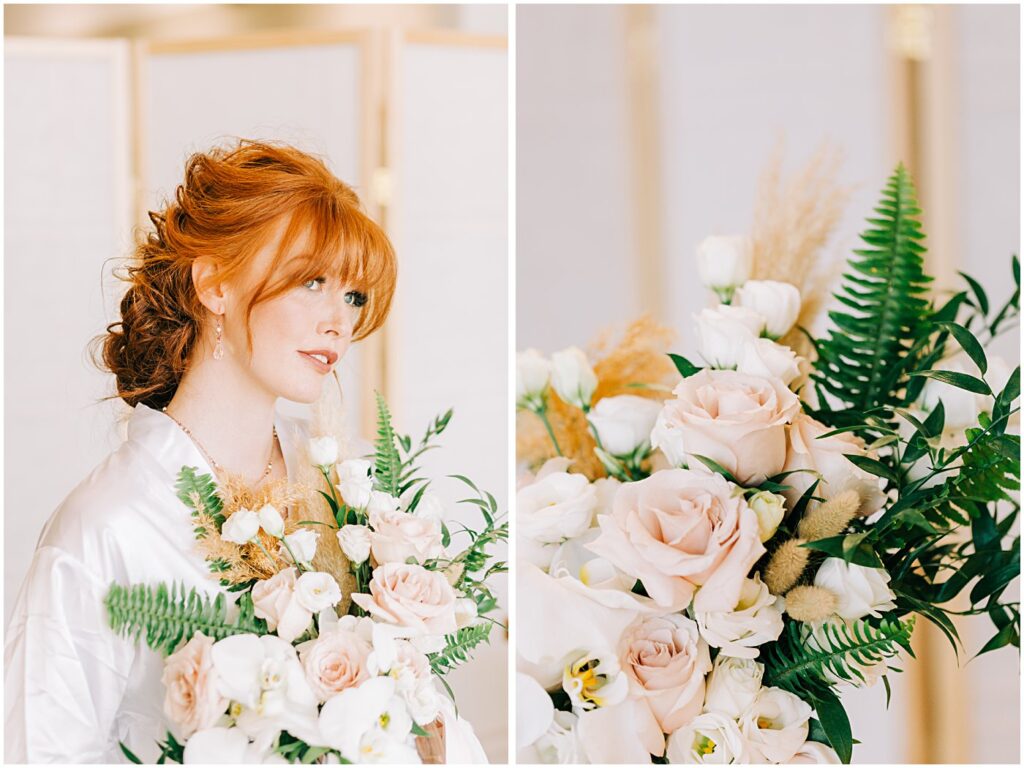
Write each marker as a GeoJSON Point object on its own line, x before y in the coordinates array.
{"type": "Point", "coordinates": [666, 661]}
{"type": "Point", "coordinates": [410, 596]}
{"type": "Point", "coordinates": [828, 456]}
{"type": "Point", "coordinates": [193, 700]}
{"type": "Point", "coordinates": [336, 660]}
{"type": "Point", "coordinates": [734, 418]}
{"type": "Point", "coordinates": [274, 600]}
{"type": "Point", "coordinates": [396, 536]}
{"type": "Point", "coordinates": [679, 530]}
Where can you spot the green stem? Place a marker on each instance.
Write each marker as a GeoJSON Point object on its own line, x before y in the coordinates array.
{"type": "Point", "coordinates": [543, 414]}
{"type": "Point", "coordinates": [292, 555]}
{"type": "Point", "coordinates": [327, 477]}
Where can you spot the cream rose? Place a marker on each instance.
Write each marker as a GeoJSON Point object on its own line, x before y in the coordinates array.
{"type": "Point", "coordinates": [556, 507]}
{"type": "Point", "coordinates": [354, 541]}
{"type": "Point", "coordinates": [666, 660]}
{"type": "Point", "coordinates": [735, 419]}
{"type": "Point", "coordinates": [777, 302]}
{"type": "Point", "coordinates": [815, 753]}
{"type": "Point", "coordinates": [678, 530]}
{"type": "Point", "coordinates": [193, 700]}
{"type": "Point", "coordinates": [723, 333]}
{"type": "Point", "coordinates": [861, 591]}
{"type": "Point", "coordinates": [336, 660]}
{"type": "Point", "coordinates": [756, 620]}
{"type": "Point", "coordinates": [412, 597]}
{"type": "Point", "coordinates": [274, 600]}
{"type": "Point", "coordinates": [241, 527]}
{"type": "Point", "coordinates": [323, 451]}
{"type": "Point", "coordinates": [775, 726]}
{"type": "Point", "coordinates": [315, 591]}
{"type": "Point", "coordinates": [828, 456]}
{"type": "Point", "coordinates": [624, 422]}
{"type": "Point", "coordinates": [763, 357]}
{"type": "Point", "coordinates": [397, 536]}
{"type": "Point", "coordinates": [732, 685]}
{"type": "Point", "coordinates": [667, 438]}
{"type": "Point", "coordinates": [354, 482]}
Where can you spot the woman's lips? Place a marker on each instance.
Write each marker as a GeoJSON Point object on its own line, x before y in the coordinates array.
{"type": "Point", "coordinates": [314, 358]}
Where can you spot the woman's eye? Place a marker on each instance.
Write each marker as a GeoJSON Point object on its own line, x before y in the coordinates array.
{"type": "Point", "coordinates": [315, 284]}
{"type": "Point", "coordinates": [355, 298]}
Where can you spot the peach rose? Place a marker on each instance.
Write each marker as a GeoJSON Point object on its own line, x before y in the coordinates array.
{"type": "Point", "coordinates": [679, 530]}
{"type": "Point", "coordinates": [736, 419]}
{"type": "Point", "coordinates": [193, 700]}
{"type": "Point", "coordinates": [397, 536]}
{"type": "Point", "coordinates": [412, 597]}
{"type": "Point", "coordinates": [274, 600]}
{"type": "Point", "coordinates": [827, 456]}
{"type": "Point", "coordinates": [666, 661]}
{"type": "Point", "coordinates": [334, 661]}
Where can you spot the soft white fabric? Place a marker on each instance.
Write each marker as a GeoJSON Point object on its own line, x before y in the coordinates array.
{"type": "Point", "coordinates": [73, 688]}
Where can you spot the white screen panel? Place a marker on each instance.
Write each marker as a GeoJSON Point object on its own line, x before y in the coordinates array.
{"type": "Point", "coordinates": [448, 331]}
{"type": "Point", "coordinates": [309, 96]}
{"type": "Point", "coordinates": [66, 212]}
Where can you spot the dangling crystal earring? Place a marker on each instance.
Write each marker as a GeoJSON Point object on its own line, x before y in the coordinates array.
{"type": "Point", "coordinates": [218, 350]}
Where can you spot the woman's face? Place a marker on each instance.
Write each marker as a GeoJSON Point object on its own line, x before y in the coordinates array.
{"type": "Point", "coordinates": [298, 337]}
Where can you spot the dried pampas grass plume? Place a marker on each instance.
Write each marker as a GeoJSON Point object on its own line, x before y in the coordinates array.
{"type": "Point", "coordinates": [794, 218]}
{"type": "Point", "coordinates": [831, 517]}
{"type": "Point", "coordinates": [638, 357]}
{"type": "Point", "coordinates": [786, 566]}
{"type": "Point", "coordinates": [810, 604]}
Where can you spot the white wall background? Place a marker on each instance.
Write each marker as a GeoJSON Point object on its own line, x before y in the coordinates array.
{"type": "Point", "coordinates": [69, 208]}
{"type": "Point", "coordinates": [731, 81]}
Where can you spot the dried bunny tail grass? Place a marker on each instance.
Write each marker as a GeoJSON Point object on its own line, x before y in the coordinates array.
{"type": "Point", "coordinates": [793, 221]}
{"type": "Point", "coordinates": [786, 566]}
{"type": "Point", "coordinates": [810, 604]}
{"type": "Point", "coordinates": [639, 357]}
{"type": "Point", "coordinates": [831, 517]}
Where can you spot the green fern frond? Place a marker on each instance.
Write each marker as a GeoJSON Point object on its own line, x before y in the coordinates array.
{"type": "Point", "coordinates": [459, 645]}
{"type": "Point", "coordinates": [810, 668]}
{"type": "Point", "coordinates": [387, 461]}
{"type": "Point", "coordinates": [199, 494]}
{"type": "Point", "coordinates": [864, 362]}
{"type": "Point", "coordinates": [169, 615]}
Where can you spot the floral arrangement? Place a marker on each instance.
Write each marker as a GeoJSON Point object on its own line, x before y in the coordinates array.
{"type": "Point", "coordinates": [336, 664]}
{"type": "Point", "coordinates": [762, 530]}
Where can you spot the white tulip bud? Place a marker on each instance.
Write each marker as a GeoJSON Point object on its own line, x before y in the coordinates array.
{"type": "Point", "coordinates": [724, 262]}
{"type": "Point", "coordinates": [271, 521]}
{"type": "Point", "coordinates": [573, 378]}
{"type": "Point", "coordinates": [323, 451]}
{"type": "Point", "coordinates": [770, 508]}
{"type": "Point", "coordinates": [241, 527]}
{"type": "Point", "coordinates": [355, 542]}
{"type": "Point", "coordinates": [624, 422]}
{"type": "Point", "coordinates": [778, 303]}
{"type": "Point", "coordinates": [302, 544]}
{"type": "Point", "coordinates": [532, 375]}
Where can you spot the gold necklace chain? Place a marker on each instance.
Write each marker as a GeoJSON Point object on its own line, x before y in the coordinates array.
{"type": "Point", "coordinates": [217, 467]}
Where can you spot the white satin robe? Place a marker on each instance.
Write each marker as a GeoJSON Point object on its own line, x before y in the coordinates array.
{"type": "Point", "coordinates": [73, 688]}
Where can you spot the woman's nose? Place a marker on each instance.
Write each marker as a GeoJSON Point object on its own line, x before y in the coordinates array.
{"type": "Point", "coordinates": [341, 320]}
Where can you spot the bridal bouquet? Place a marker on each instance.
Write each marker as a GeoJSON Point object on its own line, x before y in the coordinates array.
{"type": "Point", "coordinates": [334, 650]}
{"type": "Point", "coordinates": [703, 572]}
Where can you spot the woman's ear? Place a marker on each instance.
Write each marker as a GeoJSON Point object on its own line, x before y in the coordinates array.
{"type": "Point", "coordinates": [211, 291]}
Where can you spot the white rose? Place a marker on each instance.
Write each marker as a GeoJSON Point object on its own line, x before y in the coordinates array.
{"type": "Point", "coordinates": [723, 334]}
{"type": "Point", "coordinates": [732, 685]}
{"type": "Point", "coordinates": [756, 620]}
{"type": "Point", "coordinates": [770, 508]}
{"type": "Point", "coordinates": [354, 482]}
{"type": "Point", "coordinates": [820, 636]}
{"type": "Point", "coordinates": [669, 440]}
{"type": "Point", "coordinates": [624, 422]}
{"type": "Point", "coordinates": [532, 374]}
{"type": "Point", "coordinates": [763, 357]}
{"type": "Point", "coordinates": [723, 262]}
{"type": "Point", "coordinates": [961, 407]}
{"type": "Point", "coordinates": [315, 591]}
{"type": "Point", "coordinates": [241, 527]}
{"type": "Point", "coordinates": [274, 600]}
{"type": "Point", "coordinates": [556, 507]}
{"type": "Point", "coordinates": [271, 521]}
{"type": "Point", "coordinates": [355, 542]}
{"type": "Point", "coordinates": [302, 544]}
{"type": "Point", "coordinates": [709, 738]}
{"type": "Point", "coordinates": [815, 753]}
{"type": "Point", "coordinates": [381, 502]}
{"type": "Point", "coordinates": [572, 377]}
{"type": "Point", "coordinates": [465, 612]}
{"type": "Point", "coordinates": [397, 536]}
{"type": "Point", "coordinates": [775, 726]}
{"type": "Point", "coordinates": [778, 303]}
{"type": "Point", "coordinates": [429, 506]}
{"type": "Point", "coordinates": [861, 591]}
{"type": "Point", "coordinates": [323, 451]}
